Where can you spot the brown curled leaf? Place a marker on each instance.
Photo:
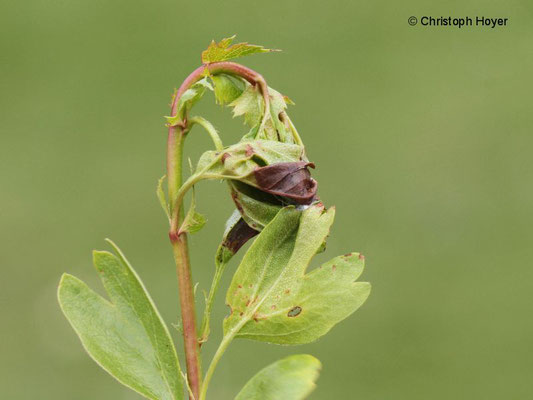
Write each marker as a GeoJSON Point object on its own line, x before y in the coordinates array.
{"type": "Point", "coordinates": [289, 179]}
{"type": "Point", "coordinates": [239, 234]}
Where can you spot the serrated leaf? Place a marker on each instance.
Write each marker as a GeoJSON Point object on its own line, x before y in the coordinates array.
{"type": "Point", "coordinates": [224, 51]}
{"type": "Point", "coordinates": [226, 89]}
{"type": "Point", "coordinates": [162, 197]}
{"type": "Point", "coordinates": [271, 297]}
{"type": "Point", "coordinates": [249, 104]}
{"type": "Point", "coordinates": [292, 378]}
{"type": "Point", "coordinates": [127, 336]}
{"type": "Point", "coordinates": [188, 99]}
{"type": "Point", "coordinates": [193, 221]}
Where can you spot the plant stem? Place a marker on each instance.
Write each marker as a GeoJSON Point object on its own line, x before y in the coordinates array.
{"type": "Point", "coordinates": [176, 138]}
{"type": "Point", "coordinates": [226, 340]}
{"type": "Point", "coordinates": [208, 126]}
{"type": "Point", "coordinates": [183, 269]}
{"type": "Point", "coordinates": [188, 316]}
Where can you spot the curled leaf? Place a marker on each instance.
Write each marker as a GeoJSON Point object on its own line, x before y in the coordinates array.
{"type": "Point", "coordinates": [239, 234]}
{"type": "Point", "coordinates": [227, 88]}
{"type": "Point", "coordinates": [239, 161]}
{"type": "Point", "coordinates": [250, 105]}
{"type": "Point", "coordinates": [224, 50]}
{"type": "Point", "coordinates": [256, 207]}
{"type": "Point", "coordinates": [291, 180]}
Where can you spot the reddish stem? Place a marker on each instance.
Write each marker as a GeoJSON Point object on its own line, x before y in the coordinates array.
{"type": "Point", "coordinates": [176, 137]}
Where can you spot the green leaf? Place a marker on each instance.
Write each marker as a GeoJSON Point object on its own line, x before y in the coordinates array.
{"type": "Point", "coordinates": [127, 337]}
{"type": "Point", "coordinates": [240, 160]}
{"type": "Point", "coordinates": [257, 208]}
{"type": "Point", "coordinates": [292, 378]}
{"type": "Point", "coordinates": [188, 99]}
{"type": "Point", "coordinates": [249, 104]}
{"type": "Point", "coordinates": [226, 89]}
{"type": "Point", "coordinates": [222, 51]}
{"type": "Point", "coordinates": [162, 197]}
{"type": "Point", "coordinates": [271, 297]}
{"type": "Point", "coordinates": [193, 221]}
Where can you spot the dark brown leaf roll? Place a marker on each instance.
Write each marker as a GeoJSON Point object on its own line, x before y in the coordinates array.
{"type": "Point", "coordinates": [290, 179]}
{"type": "Point", "coordinates": [238, 236]}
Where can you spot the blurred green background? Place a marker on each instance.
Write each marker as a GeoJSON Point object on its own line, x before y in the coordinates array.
{"type": "Point", "coordinates": [422, 139]}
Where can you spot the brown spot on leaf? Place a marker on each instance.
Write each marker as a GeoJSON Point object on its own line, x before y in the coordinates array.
{"type": "Point", "coordinates": [273, 307]}
{"type": "Point", "coordinates": [361, 257]}
{"type": "Point", "coordinates": [248, 303]}
{"type": "Point", "coordinates": [290, 179]}
{"type": "Point", "coordinates": [249, 150]}
{"type": "Point", "coordinates": [238, 204]}
{"type": "Point", "coordinates": [347, 254]}
{"type": "Point", "coordinates": [224, 157]}
{"type": "Point", "coordinates": [333, 267]}
{"type": "Point", "coordinates": [294, 312]}
{"type": "Point", "coordinates": [240, 286]}
{"type": "Point", "coordinates": [241, 313]}
{"type": "Point", "coordinates": [287, 291]}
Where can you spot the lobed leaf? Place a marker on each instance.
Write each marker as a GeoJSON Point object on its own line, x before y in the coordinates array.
{"type": "Point", "coordinates": [271, 297]}
{"type": "Point", "coordinates": [292, 378]}
{"type": "Point", "coordinates": [250, 105]}
{"type": "Point", "coordinates": [224, 50]}
{"type": "Point", "coordinates": [127, 336]}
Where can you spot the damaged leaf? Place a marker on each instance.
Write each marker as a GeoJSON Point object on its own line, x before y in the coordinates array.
{"type": "Point", "coordinates": [250, 104]}
{"type": "Point", "coordinates": [224, 50]}
{"type": "Point", "coordinates": [256, 207]}
{"type": "Point", "coordinates": [239, 161]}
{"type": "Point", "coordinates": [273, 299]}
{"type": "Point", "coordinates": [290, 179]}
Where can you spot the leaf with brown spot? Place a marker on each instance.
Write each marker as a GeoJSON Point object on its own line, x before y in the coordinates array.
{"type": "Point", "coordinates": [309, 304]}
